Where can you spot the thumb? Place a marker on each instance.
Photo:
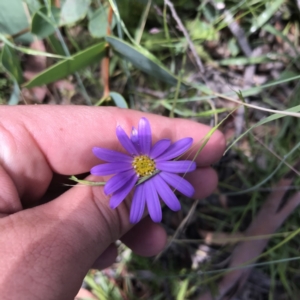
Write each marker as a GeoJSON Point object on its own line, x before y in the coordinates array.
{"type": "Point", "coordinates": [63, 238]}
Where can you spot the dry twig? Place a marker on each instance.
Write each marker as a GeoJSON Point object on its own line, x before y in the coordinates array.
{"type": "Point", "coordinates": [105, 60]}
{"type": "Point", "coordinates": [186, 35]}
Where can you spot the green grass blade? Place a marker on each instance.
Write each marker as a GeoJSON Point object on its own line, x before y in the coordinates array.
{"type": "Point", "coordinates": [30, 51]}
{"type": "Point", "coordinates": [268, 177]}
{"type": "Point", "coordinates": [87, 182]}
{"type": "Point", "coordinates": [264, 121]}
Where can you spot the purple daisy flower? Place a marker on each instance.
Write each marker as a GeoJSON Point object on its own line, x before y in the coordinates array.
{"type": "Point", "coordinates": [154, 163]}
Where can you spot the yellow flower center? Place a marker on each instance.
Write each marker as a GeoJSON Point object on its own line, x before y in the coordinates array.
{"type": "Point", "coordinates": [143, 165]}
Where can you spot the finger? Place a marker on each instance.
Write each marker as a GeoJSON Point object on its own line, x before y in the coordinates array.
{"type": "Point", "coordinates": [74, 130]}
{"type": "Point", "coordinates": [60, 139]}
{"type": "Point", "coordinates": [21, 157]}
{"type": "Point", "coordinates": [9, 198]}
{"type": "Point", "coordinates": [145, 244]}
{"type": "Point", "coordinates": [65, 146]}
{"type": "Point", "coordinates": [107, 258]}
{"type": "Point", "coordinates": [140, 243]}
{"type": "Point", "coordinates": [64, 237]}
{"type": "Point", "coordinates": [204, 180]}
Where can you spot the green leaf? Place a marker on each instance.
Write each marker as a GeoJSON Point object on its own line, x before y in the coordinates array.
{"type": "Point", "coordinates": [183, 286]}
{"type": "Point", "coordinates": [98, 22]}
{"type": "Point", "coordinates": [43, 25]}
{"type": "Point", "coordinates": [143, 60]}
{"type": "Point", "coordinates": [33, 5]}
{"type": "Point", "coordinates": [15, 95]}
{"type": "Point", "coordinates": [73, 11]}
{"type": "Point", "coordinates": [29, 51]}
{"type": "Point", "coordinates": [118, 99]}
{"type": "Point", "coordinates": [271, 8]}
{"type": "Point", "coordinates": [11, 63]}
{"type": "Point", "coordinates": [55, 45]}
{"type": "Point", "coordinates": [189, 113]}
{"type": "Point", "coordinates": [87, 182]}
{"type": "Point", "coordinates": [67, 67]}
{"type": "Point", "coordinates": [13, 19]}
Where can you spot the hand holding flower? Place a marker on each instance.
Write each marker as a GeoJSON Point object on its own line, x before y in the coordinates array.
{"type": "Point", "coordinates": [46, 249]}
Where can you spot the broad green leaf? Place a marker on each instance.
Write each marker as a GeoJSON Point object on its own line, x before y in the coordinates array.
{"type": "Point", "coordinates": [264, 121]}
{"type": "Point", "coordinates": [11, 63]}
{"type": "Point", "coordinates": [43, 25]}
{"type": "Point", "coordinates": [33, 5]}
{"type": "Point", "coordinates": [73, 11]}
{"type": "Point", "coordinates": [271, 8]}
{"type": "Point", "coordinates": [118, 99]}
{"type": "Point", "coordinates": [143, 60]}
{"type": "Point", "coordinates": [13, 19]}
{"type": "Point", "coordinates": [98, 22]}
{"type": "Point", "coordinates": [69, 66]}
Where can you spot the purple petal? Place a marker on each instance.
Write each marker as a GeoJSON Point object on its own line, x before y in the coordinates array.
{"type": "Point", "coordinates": [152, 200]}
{"type": "Point", "coordinates": [134, 135]}
{"type": "Point", "coordinates": [111, 155]}
{"type": "Point", "coordinates": [118, 181]}
{"type": "Point", "coordinates": [179, 183]}
{"type": "Point", "coordinates": [135, 139]}
{"type": "Point", "coordinates": [159, 148]}
{"type": "Point", "coordinates": [144, 135]}
{"type": "Point", "coordinates": [138, 204]}
{"type": "Point", "coordinates": [180, 166]}
{"type": "Point", "coordinates": [176, 149]}
{"type": "Point", "coordinates": [125, 141]}
{"type": "Point", "coordinates": [122, 193]}
{"type": "Point", "coordinates": [166, 193]}
{"type": "Point", "coordinates": [110, 168]}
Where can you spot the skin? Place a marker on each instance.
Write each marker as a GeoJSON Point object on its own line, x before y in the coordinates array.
{"type": "Point", "coordinates": [47, 249]}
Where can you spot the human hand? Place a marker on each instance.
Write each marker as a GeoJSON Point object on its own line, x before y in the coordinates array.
{"type": "Point", "coordinates": [46, 250]}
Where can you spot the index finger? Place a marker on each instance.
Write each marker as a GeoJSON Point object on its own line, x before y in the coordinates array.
{"type": "Point", "coordinates": [67, 134]}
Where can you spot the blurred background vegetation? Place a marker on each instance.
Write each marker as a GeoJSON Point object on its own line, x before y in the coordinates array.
{"type": "Point", "coordinates": [230, 64]}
